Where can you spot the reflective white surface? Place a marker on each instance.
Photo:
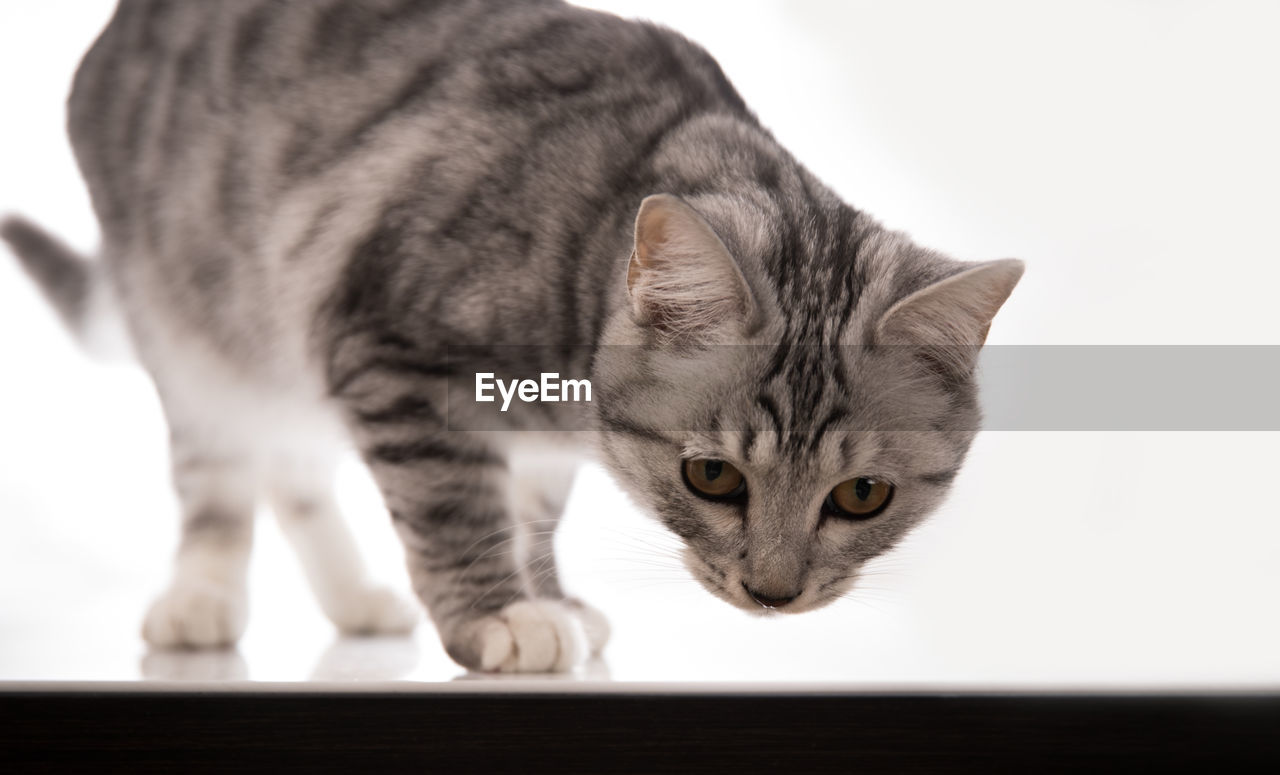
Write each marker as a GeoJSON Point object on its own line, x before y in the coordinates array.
{"type": "Point", "coordinates": [1125, 150]}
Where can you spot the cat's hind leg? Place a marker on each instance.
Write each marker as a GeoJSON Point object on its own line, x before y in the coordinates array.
{"type": "Point", "coordinates": [206, 602]}
{"type": "Point", "coordinates": [301, 494]}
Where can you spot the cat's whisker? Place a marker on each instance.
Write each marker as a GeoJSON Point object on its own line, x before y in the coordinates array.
{"type": "Point", "coordinates": [643, 554]}
{"type": "Point", "coordinates": [541, 567]}
{"type": "Point", "coordinates": [493, 533]}
{"type": "Point", "coordinates": [643, 584]}
{"type": "Point", "coordinates": [864, 595]}
{"type": "Point", "coordinates": [634, 555]}
{"type": "Point", "coordinates": [519, 570]}
{"type": "Point", "coordinates": [493, 552]}
{"type": "Point", "coordinates": [625, 566]}
{"type": "Point", "coordinates": [639, 543]}
{"type": "Point", "coordinates": [617, 571]}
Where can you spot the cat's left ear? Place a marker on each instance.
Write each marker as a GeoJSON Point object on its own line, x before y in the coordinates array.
{"type": "Point", "coordinates": [955, 312]}
{"type": "Point", "coordinates": [682, 279]}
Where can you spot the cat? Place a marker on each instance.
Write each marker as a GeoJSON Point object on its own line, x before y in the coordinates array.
{"type": "Point", "coordinates": [305, 205]}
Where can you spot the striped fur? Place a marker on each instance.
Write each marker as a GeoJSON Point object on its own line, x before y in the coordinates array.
{"type": "Point", "coordinates": [305, 205]}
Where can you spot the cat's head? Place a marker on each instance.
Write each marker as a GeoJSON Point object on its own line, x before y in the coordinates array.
{"type": "Point", "coordinates": [789, 399]}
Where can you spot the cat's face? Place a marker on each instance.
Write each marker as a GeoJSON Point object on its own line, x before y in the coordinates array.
{"type": "Point", "coordinates": [786, 462]}
{"type": "Point", "coordinates": [775, 476]}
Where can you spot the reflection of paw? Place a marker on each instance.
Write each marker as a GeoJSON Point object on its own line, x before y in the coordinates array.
{"type": "Point", "coordinates": [203, 665]}
{"type": "Point", "coordinates": [372, 610]}
{"type": "Point", "coordinates": [594, 623]}
{"type": "Point", "coordinates": [196, 614]}
{"type": "Point", "coordinates": [531, 636]}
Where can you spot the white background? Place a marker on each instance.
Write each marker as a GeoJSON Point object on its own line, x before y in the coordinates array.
{"type": "Point", "coordinates": [1126, 150]}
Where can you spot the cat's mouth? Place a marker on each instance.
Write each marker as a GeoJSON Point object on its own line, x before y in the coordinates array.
{"type": "Point", "coordinates": [754, 602]}
{"type": "Point", "coordinates": [729, 585]}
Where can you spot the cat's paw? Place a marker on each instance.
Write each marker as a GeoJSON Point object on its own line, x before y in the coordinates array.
{"type": "Point", "coordinates": [372, 610]}
{"type": "Point", "coordinates": [530, 636]}
{"type": "Point", "coordinates": [196, 614]}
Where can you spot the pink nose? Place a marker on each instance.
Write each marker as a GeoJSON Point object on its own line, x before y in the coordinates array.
{"type": "Point", "coordinates": [766, 601]}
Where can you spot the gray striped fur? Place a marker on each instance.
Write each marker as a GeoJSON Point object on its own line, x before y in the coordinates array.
{"type": "Point", "coordinates": [303, 204]}
{"type": "Point", "coordinates": [65, 277]}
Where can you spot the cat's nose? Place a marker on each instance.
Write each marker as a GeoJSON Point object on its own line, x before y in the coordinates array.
{"type": "Point", "coordinates": [768, 601]}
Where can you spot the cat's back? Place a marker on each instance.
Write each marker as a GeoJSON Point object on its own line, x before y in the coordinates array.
{"type": "Point", "coordinates": [231, 147]}
{"type": "Point", "coordinates": [174, 89]}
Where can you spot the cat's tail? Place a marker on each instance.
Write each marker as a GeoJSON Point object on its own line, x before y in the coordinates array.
{"type": "Point", "coordinates": [75, 286]}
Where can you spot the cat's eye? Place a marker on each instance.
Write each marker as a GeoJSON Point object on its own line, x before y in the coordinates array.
{"type": "Point", "coordinates": [860, 498]}
{"type": "Point", "coordinates": [714, 479]}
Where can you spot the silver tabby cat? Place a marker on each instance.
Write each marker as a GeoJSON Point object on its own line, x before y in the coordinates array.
{"type": "Point", "coordinates": [304, 204]}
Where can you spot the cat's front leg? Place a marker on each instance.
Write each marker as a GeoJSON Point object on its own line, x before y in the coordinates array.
{"type": "Point", "coordinates": [540, 491]}
{"type": "Point", "coordinates": [451, 500]}
{"type": "Point", "coordinates": [468, 555]}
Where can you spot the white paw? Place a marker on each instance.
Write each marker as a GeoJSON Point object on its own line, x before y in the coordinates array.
{"type": "Point", "coordinates": [372, 611]}
{"type": "Point", "coordinates": [196, 614]}
{"type": "Point", "coordinates": [531, 636]}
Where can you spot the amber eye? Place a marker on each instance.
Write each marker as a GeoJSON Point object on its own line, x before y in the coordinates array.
{"type": "Point", "coordinates": [714, 479]}
{"type": "Point", "coordinates": [859, 498]}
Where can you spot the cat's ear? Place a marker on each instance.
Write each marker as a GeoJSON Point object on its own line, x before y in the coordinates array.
{"type": "Point", "coordinates": [681, 279]}
{"type": "Point", "coordinates": [954, 313]}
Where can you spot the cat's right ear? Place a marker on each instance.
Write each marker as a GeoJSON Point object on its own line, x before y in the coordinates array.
{"type": "Point", "coordinates": [682, 279]}
{"type": "Point", "coordinates": [952, 316]}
